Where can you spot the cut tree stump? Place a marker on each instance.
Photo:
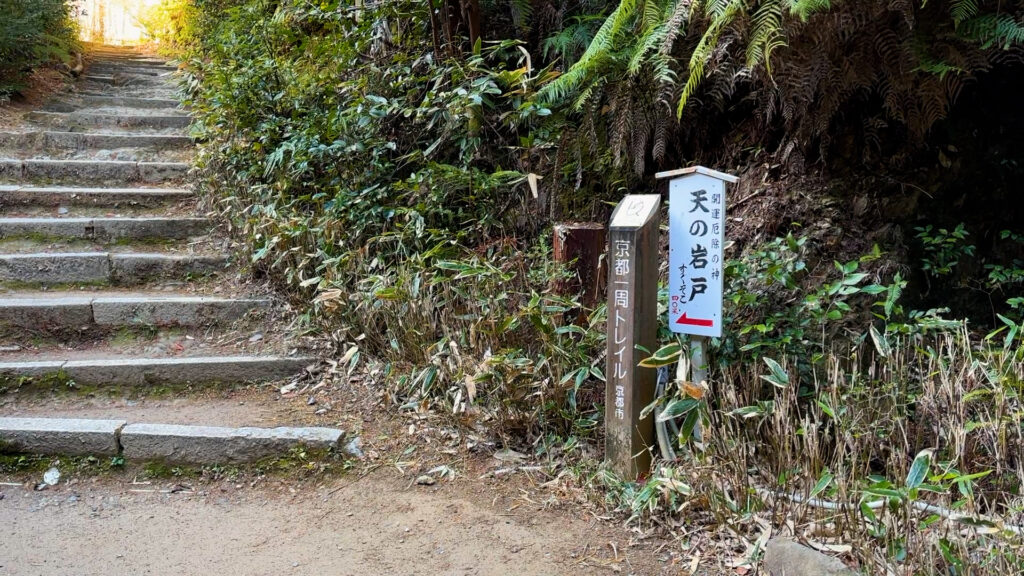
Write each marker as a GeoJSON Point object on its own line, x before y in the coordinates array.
{"type": "Point", "coordinates": [580, 245]}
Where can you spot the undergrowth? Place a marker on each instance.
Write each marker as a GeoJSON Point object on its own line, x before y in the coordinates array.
{"type": "Point", "coordinates": [398, 177]}
{"type": "Point", "coordinates": [391, 193]}
{"type": "Point", "coordinates": [893, 436]}
{"type": "Point", "coordinates": [33, 33]}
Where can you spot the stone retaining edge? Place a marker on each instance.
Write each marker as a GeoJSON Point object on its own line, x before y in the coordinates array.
{"type": "Point", "coordinates": [159, 442]}
{"type": "Point", "coordinates": [73, 312]}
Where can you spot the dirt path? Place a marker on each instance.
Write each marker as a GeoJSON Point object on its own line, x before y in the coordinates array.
{"type": "Point", "coordinates": [369, 520]}
{"type": "Point", "coordinates": [374, 525]}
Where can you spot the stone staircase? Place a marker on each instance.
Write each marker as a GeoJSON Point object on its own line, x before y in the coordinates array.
{"type": "Point", "coordinates": [110, 278]}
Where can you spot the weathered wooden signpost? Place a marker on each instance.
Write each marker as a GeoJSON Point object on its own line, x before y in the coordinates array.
{"type": "Point", "coordinates": [632, 323]}
{"type": "Point", "coordinates": [696, 228]}
{"type": "Point", "coordinates": [696, 266]}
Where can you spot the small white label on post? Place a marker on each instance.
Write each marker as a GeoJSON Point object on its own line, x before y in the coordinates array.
{"type": "Point", "coordinates": [696, 217]}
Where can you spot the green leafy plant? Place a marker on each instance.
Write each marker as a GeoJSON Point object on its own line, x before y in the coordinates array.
{"type": "Point", "coordinates": [33, 33]}
{"type": "Point", "coordinates": [943, 248]}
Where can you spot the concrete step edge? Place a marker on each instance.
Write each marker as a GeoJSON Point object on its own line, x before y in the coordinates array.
{"type": "Point", "coordinates": [213, 445]}
{"type": "Point", "coordinates": [57, 196]}
{"type": "Point", "coordinates": [120, 268]}
{"type": "Point", "coordinates": [37, 313]}
{"type": "Point", "coordinates": [92, 170]}
{"type": "Point", "coordinates": [66, 436]}
{"type": "Point", "coordinates": [186, 444]}
{"type": "Point", "coordinates": [117, 228]}
{"type": "Point", "coordinates": [181, 370]}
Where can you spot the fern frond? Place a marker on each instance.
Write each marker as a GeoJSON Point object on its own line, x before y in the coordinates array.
{"type": "Point", "coordinates": [599, 49]}
{"type": "Point", "coordinates": [674, 25]}
{"type": "Point", "coordinates": [804, 9]}
{"type": "Point", "coordinates": [963, 10]}
{"type": "Point", "coordinates": [652, 17]}
{"type": "Point", "coordinates": [994, 30]}
{"type": "Point", "coordinates": [706, 46]}
{"type": "Point", "coordinates": [767, 34]}
{"type": "Point", "coordinates": [716, 8]}
{"type": "Point", "coordinates": [647, 44]}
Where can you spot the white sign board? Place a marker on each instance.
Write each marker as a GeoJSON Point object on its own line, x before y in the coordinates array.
{"type": "Point", "coordinates": [696, 218]}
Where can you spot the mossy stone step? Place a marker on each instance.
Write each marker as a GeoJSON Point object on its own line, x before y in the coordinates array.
{"type": "Point", "coordinates": [82, 119]}
{"type": "Point", "coordinates": [105, 228]}
{"type": "Point", "coordinates": [17, 171]}
{"type": "Point", "coordinates": [43, 140]}
{"type": "Point", "coordinates": [49, 313]}
{"type": "Point", "coordinates": [124, 269]}
{"type": "Point", "coordinates": [110, 197]}
{"type": "Point", "coordinates": [98, 99]}
{"type": "Point", "coordinates": [197, 370]}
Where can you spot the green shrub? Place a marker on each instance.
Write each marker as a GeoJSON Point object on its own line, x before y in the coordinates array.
{"type": "Point", "coordinates": [33, 33]}
{"type": "Point", "coordinates": [391, 190]}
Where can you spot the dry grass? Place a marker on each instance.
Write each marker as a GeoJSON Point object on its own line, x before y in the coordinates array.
{"type": "Point", "coordinates": [42, 84]}
{"type": "Point", "coordinates": [829, 457]}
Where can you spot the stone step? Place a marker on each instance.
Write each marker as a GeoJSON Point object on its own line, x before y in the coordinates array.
{"type": "Point", "coordinates": [64, 436]}
{"type": "Point", "coordinates": [69, 106]}
{"type": "Point", "coordinates": [130, 268]}
{"type": "Point", "coordinates": [123, 80]}
{"type": "Point", "coordinates": [105, 66]}
{"type": "Point", "coordinates": [110, 69]}
{"type": "Point", "coordinates": [43, 140]}
{"type": "Point", "coordinates": [112, 197]}
{"type": "Point", "coordinates": [105, 56]}
{"type": "Point", "coordinates": [160, 442]}
{"type": "Point", "coordinates": [60, 312]}
{"type": "Point", "coordinates": [215, 445]}
{"type": "Point", "coordinates": [158, 91]}
{"type": "Point", "coordinates": [197, 370]}
{"type": "Point", "coordinates": [108, 229]}
{"type": "Point", "coordinates": [100, 99]}
{"type": "Point", "coordinates": [13, 170]}
{"type": "Point", "coordinates": [80, 119]}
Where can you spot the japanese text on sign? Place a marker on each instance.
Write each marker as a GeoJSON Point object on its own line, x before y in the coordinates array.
{"type": "Point", "coordinates": [622, 251]}
{"type": "Point", "coordinates": [696, 240]}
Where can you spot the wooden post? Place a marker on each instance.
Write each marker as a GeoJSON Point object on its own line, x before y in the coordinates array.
{"type": "Point", "coordinates": [580, 246]}
{"type": "Point", "coordinates": [632, 322]}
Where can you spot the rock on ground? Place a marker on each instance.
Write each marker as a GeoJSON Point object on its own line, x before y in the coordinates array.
{"type": "Point", "coordinates": [785, 557]}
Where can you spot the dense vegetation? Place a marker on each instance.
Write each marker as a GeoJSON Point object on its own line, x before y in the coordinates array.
{"type": "Point", "coordinates": [397, 165]}
{"type": "Point", "coordinates": [33, 33]}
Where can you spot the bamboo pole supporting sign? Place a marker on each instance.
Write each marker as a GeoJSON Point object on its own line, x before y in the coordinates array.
{"type": "Point", "coordinates": [632, 324]}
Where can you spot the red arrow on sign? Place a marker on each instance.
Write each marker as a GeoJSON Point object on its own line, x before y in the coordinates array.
{"type": "Point", "coordinates": [694, 321]}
